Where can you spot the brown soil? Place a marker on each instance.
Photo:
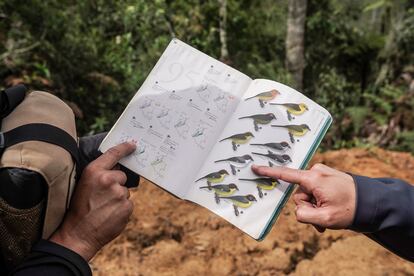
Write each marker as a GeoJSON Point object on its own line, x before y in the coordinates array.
{"type": "Point", "coordinates": [167, 236]}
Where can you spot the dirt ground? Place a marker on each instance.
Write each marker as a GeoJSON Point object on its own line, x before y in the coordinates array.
{"type": "Point", "coordinates": [167, 236]}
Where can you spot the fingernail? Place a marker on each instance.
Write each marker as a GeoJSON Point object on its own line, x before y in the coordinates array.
{"type": "Point", "coordinates": [254, 167]}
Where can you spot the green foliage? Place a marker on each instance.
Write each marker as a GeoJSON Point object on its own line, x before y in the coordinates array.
{"type": "Point", "coordinates": [405, 141]}
{"type": "Point", "coordinates": [97, 53]}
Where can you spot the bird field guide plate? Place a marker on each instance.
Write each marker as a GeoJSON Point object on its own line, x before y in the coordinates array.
{"type": "Point", "coordinates": [199, 125]}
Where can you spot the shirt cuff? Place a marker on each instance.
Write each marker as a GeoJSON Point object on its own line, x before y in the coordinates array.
{"type": "Point", "coordinates": [51, 248]}
{"type": "Point", "coordinates": [367, 200]}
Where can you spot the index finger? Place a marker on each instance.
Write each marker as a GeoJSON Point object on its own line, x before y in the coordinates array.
{"type": "Point", "coordinates": [111, 157]}
{"type": "Point", "coordinates": [286, 174]}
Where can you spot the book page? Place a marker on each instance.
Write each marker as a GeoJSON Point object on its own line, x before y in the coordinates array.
{"type": "Point", "coordinates": [177, 115]}
{"type": "Point", "coordinates": [274, 125]}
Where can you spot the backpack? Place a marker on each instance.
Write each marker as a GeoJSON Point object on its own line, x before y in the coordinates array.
{"type": "Point", "coordinates": [39, 150]}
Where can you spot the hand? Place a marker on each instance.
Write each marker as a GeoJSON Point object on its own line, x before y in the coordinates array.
{"type": "Point", "coordinates": [100, 206]}
{"type": "Point", "coordinates": [325, 197]}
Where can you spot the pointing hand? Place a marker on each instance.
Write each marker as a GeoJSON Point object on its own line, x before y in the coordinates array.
{"type": "Point", "coordinates": [326, 197]}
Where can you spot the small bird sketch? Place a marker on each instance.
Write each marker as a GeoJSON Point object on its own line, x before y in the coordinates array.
{"type": "Point", "coordinates": [181, 126]}
{"type": "Point", "coordinates": [221, 102]}
{"type": "Point", "coordinates": [199, 136]}
{"type": "Point", "coordinates": [164, 118]}
{"type": "Point", "coordinates": [204, 93]}
{"type": "Point", "coordinates": [141, 155]}
{"type": "Point", "coordinates": [147, 109]}
{"type": "Point", "coordinates": [159, 165]}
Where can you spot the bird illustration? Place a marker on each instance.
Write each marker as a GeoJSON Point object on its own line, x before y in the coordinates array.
{"type": "Point", "coordinates": [279, 158]}
{"type": "Point", "coordinates": [265, 96]}
{"type": "Point", "coordinates": [262, 119]}
{"type": "Point", "coordinates": [282, 146]}
{"type": "Point", "coordinates": [181, 123]}
{"type": "Point", "coordinates": [163, 113]}
{"type": "Point", "coordinates": [237, 161]}
{"type": "Point", "coordinates": [263, 183]}
{"type": "Point", "coordinates": [199, 132]}
{"type": "Point", "coordinates": [214, 177]}
{"type": "Point", "coordinates": [239, 201]}
{"type": "Point", "coordinates": [146, 104]}
{"type": "Point", "coordinates": [221, 190]}
{"type": "Point", "coordinates": [239, 139]}
{"type": "Point", "coordinates": [293, 108]}
{"type": "Point", "coordinates": [158, 161]}
{"type": "Point", "coordinates": [140, 149]}
{"type": "Point", "coordinates": [295, 130]}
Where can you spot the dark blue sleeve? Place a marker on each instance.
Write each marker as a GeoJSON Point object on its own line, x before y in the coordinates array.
{"type": "Point", "coordinates": [385, 213]}
{"type": "Point", "coordinates": [48, 258]}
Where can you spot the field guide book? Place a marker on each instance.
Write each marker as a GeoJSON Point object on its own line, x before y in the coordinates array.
{"type": "Point", "coordinates": [199, 125]}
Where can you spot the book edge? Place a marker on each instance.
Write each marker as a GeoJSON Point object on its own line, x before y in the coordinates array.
{"type": "Point", "coordinates": [291, 187]}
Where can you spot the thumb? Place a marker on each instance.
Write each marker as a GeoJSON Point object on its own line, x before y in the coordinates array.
{"type": "Point", "coordinates": [311, 215]}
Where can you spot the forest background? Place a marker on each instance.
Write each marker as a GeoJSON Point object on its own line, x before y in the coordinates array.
{"type": "Point", "coordinates": [356, 58]}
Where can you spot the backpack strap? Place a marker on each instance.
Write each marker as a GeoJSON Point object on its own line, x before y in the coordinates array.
{"type": "Point", "coordinates": [10, 98]}
{"type": "Point", "coordinates": [40, 132]}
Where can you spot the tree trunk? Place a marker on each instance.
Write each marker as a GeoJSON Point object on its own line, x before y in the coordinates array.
{"type": "Point", "coordinates": [224, 53]}
{"type": "Point", "coordinates": [295, 41]}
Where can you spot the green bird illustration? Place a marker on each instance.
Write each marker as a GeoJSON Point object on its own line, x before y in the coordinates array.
{"type": "Point", "coordinates": [265, 96]}
{"type": "Point", "coordinates": [214, 177]}
{"type": "Point", "coordinates": [295, 130]}
{"type": "Point", "coordinates": [237, 161]}
{"type": "Point", "coordinates": [239, 139]}
{"type": "Point", "coordinates": [240, 201]}
{"type": "Point", "coordinates": [293, 108]}
{"type": "Point", "coordinates": [279, 158]}
{"type": "Point", "coordinates": [263, 183]}
{"type": "Point", "coordinates": [282, 146]}
{"type": "Point", "coordinates": [221, 190]}
{"type": "Point", "coordinates": [262, 119]}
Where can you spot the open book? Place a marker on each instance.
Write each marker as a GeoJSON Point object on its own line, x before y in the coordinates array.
{"type": "Point", "coordinates": [199, 126]}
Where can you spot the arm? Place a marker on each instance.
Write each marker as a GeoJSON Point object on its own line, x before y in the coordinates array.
{"type": "Point", "coordinates": [100, 196]}
{"type": "Point", "coordinates": [48, 258]}
{"type": "Point", "coordinates": [385, 213]}
{"type": "Point", "coordinates": [327, 198]}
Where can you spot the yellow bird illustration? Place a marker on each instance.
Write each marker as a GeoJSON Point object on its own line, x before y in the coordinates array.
{"type": "Point", "coordinates": [295, 130]}
{"type": "Point", "coordinates": [221, 190]}
{"type": "Point", "coordinates": [239, 139]}
{"type": "Point", "coordinates": [263, 183]}
{"type": "Point", "coordinates": [214, 177]}
{"type": "Point", "coordinates": [293, 108]}
{"type": "Point", "coordinates": [239, 201]}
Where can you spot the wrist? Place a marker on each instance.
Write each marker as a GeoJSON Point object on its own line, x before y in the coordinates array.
{"type": "Point", "coordinates": [82, 248]}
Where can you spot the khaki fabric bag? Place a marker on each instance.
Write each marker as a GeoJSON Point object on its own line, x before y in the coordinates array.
{"type": "Point", "coordinates": [51, 151]}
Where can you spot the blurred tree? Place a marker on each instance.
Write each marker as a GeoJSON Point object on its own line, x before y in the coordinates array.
{"type": "Point", "coordinates": [295, 41]}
